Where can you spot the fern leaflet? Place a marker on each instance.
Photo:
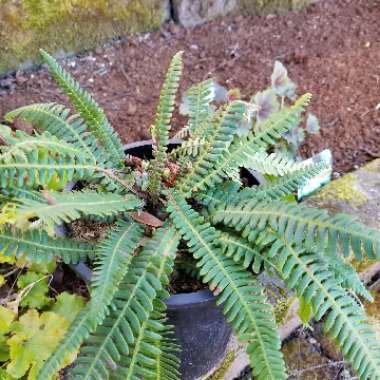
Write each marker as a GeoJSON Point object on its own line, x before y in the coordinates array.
{"type": "Point", "coordinates": [303, 224]}
{"type": "Point", "coordinates": [68, 206]}
{"type": "Point", "coordinates": [280, 187]}
{"type": "Point", "coordinates": [242, 251]}
{"type": "Point", "coordinates": [88, 109]}
{"type": "Point", "coordinates": [245, 306]}
{"type": "Point", "coordinates": [344, 318]}
{"type": "Point", "coordinates": [131, 307]}
{"type": "Point", "coordinates": [218, 144]}
{"type": "Point", "coordinates": [161, 127]}
{"type": "Point", "coordinates": [56, 119]}
{"type": "Point", "coordinates": [114, 254]}
{"type": "Point", "coordinates": [38, 247]}
{"type": "Point", "coordinates": [199, 98]}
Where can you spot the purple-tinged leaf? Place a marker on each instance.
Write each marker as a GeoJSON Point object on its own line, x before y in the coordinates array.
{"type": "Point", "coordinates": [312, 124]}
{"type": "Point", "coordinates": [281, 82]}
{"type": "Point", "coordinates": [267, 104]}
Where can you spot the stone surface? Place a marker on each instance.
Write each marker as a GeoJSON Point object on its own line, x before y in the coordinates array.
{"type": "Point", "coordinates": [357, 193]}
{"type": "Point", "coordinates": [66, 26]}
{"type": "Point", "coordinates": [190, 13]}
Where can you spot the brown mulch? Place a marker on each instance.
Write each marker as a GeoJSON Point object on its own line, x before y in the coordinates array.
{"type": "Point", "coordinates": [332, 50]}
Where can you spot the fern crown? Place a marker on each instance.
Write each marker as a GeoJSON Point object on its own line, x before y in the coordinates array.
{"type": "Point", "coordinates": [191, 195]}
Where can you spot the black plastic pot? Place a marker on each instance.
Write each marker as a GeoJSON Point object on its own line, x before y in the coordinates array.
{"type": "Point", "coordinates": [200, 326]}
{"type": "Point", "coordinates": [201, 330]}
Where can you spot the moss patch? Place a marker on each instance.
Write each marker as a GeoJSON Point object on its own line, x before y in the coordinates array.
{"type": "Point", "coordinates": [372, 167]}
{"type": "Point", "coordinates": [373, 311]}
{"type": "Point", "coordinates": [343, 189]}
{"type": "Point", "coordinates": [223, 368]}
{"type": "Point", "coordinates": [69, 25]}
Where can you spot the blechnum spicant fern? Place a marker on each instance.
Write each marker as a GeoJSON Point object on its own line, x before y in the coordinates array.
{"type": "Point", "coordinates": [233, 232]}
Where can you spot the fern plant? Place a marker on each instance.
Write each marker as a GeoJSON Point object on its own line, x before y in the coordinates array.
{"type": "Point", "coordinates": [192, 195]}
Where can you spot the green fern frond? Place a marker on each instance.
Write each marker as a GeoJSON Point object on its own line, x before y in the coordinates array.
{"type": "Point", "coordinates": [218, 144]}
{"type": "Point", "coordinates": [283, 186]}
{"type": "Point", "coordinates": [183, 133]}
{"type": "Point", "coordinates": [64, 207]}
{"type": "Point", "coordinates": [247, 151]}
{"type": "Point", "coordinates": [34, 161]}
{"type": "Point", "coordinates": [131, 307]}
{"type": "Point", "coordinates": [277, 124]}
{"type": "Point", "coordinates": [38, 247]}
{"type": "Point", "coordinates": [18, 194]}
{"type": "Point", "coordinates": [80, 329]}
{"type": "Point", "coordinates": [272, 164]}
{"type": "Point", "coordinates": [114, 255]}
{"type": "Point", "coordinates": [241, 251]}
{"type": "Point", "coordinates": [344, 319]}
{"type": "Point", "coordinates": [346, 276]}
{"type": "Point", "coordinates": [243, 301]}
{"type": "Point", "coordinates": [167, 362]}
{"type": "Point", "coordinates": [88, 109]}
{"type": "Point", "coordinates": [19, 144]}
{"type": "Point", "coordinates": [40, 169]}
{"type": "Point", "coordinates": [141, 360]}
{"type": "Point", "coordinates": [56, 119]}
{"type": "Point", "coordinates": [161, 127]}
{"type": "Point", "coordinates": [304, 225]}
{"type": "Point", "coordinates": [230, 191]}
{"type": "Point", "coordinates": [199, 98]}
{"type": "Point", "coordinates": [226, 192]}
{"type": "Point", "coordinates": [189, 148]}
{"type": "Point", "coordinates": [152, 354]}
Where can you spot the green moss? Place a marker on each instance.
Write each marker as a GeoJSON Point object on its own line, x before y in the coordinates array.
{"type": "Point", "coordinates": [69, 25]}
{"type": "Point", "coordinates": [343, 189]}
{"type": "Point", "coordinates": [373, 311]}
{"type": "Point", "coordinates": [362, 265]}
{"type": "Point", "coordinates": [373, 167]}
{"type": "Point", "coordinates": [282, 308]}
{"type": "Point", "coordinates": [223, 368]}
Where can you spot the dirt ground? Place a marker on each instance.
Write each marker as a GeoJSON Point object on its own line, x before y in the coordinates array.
{"type": "Point", "coordinates": [332, 50]}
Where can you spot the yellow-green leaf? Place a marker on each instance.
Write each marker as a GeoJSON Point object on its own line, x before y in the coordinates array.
{"type": "Point", "coordinates": [36, 294]}
{"type": "Point", "coordinates": [4, 350]}
{"type": "Point", "coordinates": [68, 305]}
{"type": "Point", "coordinates": [4, 375]}
{"type": "Point", "coordinates": [305, 311]}
{"type": "Point", "coordinates": [34, 338]}
{"type": "Point", "coordinates": [6, 318]}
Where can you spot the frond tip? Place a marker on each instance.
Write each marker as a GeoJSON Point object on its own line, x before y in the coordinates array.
{"type": "Point", "coordinates": [38, 247]}
{"type": "Point", "coordinates": [86, 106]}
{"type": "Point", "coordinates": [68, 206]}
{"type": "Point", "coordinates": [161, 127]}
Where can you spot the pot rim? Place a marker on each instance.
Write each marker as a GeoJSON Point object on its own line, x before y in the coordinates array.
{"type": "Point", "coordinates": [141, 143]}
{"type": "Point", "coordinates": [188, 299]}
